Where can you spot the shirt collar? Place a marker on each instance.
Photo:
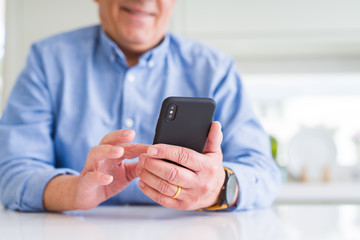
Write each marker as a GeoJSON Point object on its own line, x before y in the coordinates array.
{"type": "Point", "coordinates": [149, 58]}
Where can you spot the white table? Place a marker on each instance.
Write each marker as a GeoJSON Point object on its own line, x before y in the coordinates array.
{"type": "Point", "coordinates": [288, 222]}
{"type": "Point", "coordinates": [346, 192]}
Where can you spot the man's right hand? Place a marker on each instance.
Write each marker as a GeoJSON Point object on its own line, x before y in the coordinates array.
{"type": "Point", "coordinates": [104, 175]}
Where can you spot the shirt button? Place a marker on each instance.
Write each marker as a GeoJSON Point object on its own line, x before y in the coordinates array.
{"type": "Point", "coordinates": [129, 122]}
{"type": "Point", "coordinates": [131, 77]}
{"type": "Point", "coordinates": [151, 63]}
{"type": "Point", "coordinates": [112, 58]}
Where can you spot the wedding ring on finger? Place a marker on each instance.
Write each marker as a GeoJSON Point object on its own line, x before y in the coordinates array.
{"type": "Point", "coordinates": [177, 192]}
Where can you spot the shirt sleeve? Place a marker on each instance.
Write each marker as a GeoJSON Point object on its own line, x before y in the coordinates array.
{"type": "Point", "coordinates": [246, 146]}
{"type": "Point", "coordinates": [27, 157]}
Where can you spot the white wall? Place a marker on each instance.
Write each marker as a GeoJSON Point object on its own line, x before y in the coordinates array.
{"type": "Point", "coordinates": [274, 36]}
{"type": "Point", "coordinates": [275, 28]}
{"type": "Point", "coordinates": [30, 20]}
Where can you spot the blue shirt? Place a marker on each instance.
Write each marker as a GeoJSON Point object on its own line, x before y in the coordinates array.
{"type": "Point", "coordinates": [76, 87]}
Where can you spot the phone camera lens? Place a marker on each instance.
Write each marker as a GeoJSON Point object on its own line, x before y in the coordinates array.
{"type": "Point", "coordinates": [171, 112]}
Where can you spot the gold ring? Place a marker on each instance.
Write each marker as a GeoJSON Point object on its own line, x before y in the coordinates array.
{"type": "Point", "coordinates": [177, 192]}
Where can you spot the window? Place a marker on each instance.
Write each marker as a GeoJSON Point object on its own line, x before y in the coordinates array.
{"type": "Point", "coordinates": [300, 108]}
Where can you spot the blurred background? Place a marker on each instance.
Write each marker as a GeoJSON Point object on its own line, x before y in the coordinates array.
{"type": "Point", "coordinates": [299, 61]}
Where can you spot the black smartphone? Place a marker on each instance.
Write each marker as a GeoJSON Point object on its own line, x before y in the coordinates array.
{"type": "Point", "coordinates": [185, 122]}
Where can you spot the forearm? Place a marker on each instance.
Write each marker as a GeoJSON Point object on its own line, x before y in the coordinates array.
{"type": "Point", "coordinates": [22, 183]}
{"type": "Point", "coordinates": [59, 193]}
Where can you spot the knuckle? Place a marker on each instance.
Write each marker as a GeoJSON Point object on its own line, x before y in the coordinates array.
{"type": "Point", "coordinates": [194, 199]}
{"type": "Point", "coordinates": [109, 137]}
{"type": "Point", "coordinates": [92, 161]}
{"type": "Point", "coordinates": [183, 157]}
{"type": "Point", "coordinates": [205, 188]}
{"type": "Point", "coordinates": [148, 163]}
{"type": "Point", "coordinates": [86, 181]}
{"type": "Point", "coordinates": [100, 151]}
{"type": "Point", "coordinates": [160, 199]}
{"type": "Point", "coordinates": [165, 151]}
{"type": "Point", "coordinates": [163, 186]}
{"type": "Point", "coordinates": [187, 206]}
{"type": "Point", "coordinates": [92, 152]}
{"type": "Point", "coordinates": [105, 138]}
{"type": "Point", "coordinates": [212, 169]}
{"type": "Point", "coordinates": [143, 157]}
{"type": "Point", "coordinates": [178, 205]}
{"type": "Point", "coordinates": [173, 175]}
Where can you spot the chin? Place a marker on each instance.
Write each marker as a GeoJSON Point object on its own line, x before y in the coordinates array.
{"type": "Point", "coordinates": [140, 37]}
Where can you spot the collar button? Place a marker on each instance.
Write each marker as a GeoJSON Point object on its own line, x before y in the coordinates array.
{"type": "Point", "coordinates": [151, 63]}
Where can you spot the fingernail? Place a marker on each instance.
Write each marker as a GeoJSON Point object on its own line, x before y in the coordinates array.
{"type": "Point", "coordinates": [142, 160]}
{"type": "Point", "coordinates": [139, 170]}
{"type": "Point", "coordinates": [152, 151]}
{"type": "Point", "coordinates": [115, 148]}
{"type": "Point", "coordinates": [141, 184]}
{"type": "Point", "coordinates": [108, 178]}
{"type": "Point", "coordinates": [125, 133]}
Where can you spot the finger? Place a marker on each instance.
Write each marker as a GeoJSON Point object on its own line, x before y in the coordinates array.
{"type": "Point", "coordinates": [94, 179]}
{"type": "Point", "coordinates": [156, 183]}
{"type": "Point", "coordinates": [118, 137]}
{"type": "Point", "coordinates": [213, 142]}
{"type": "Point", "coordinates": [102, 152]}
{"type": "Point", "coordinates": [130, 171]}
{"type": "Point", "coordinates": [134, 150]}
{"type": "Point", "coordinates": [183, 156]}
{"type": "Point", "coordinates": [161, 199]}
{"type": "Point", "coordinates": [172, 173]}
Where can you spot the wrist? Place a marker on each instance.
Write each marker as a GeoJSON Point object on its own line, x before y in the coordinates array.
{"type": "Point", "coordinates": [59, 194]}
{"type": "Point", "coordinates": [217, 200]}
{"type": "Point", "coordinates": [229, 192]}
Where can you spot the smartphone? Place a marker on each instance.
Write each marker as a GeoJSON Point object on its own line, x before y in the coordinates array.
{"type": "Point", "coordinates": [185, 122]}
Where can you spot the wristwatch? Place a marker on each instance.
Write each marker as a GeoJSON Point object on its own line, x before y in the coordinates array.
{"type": "Point", "coordinates": [228, 190]}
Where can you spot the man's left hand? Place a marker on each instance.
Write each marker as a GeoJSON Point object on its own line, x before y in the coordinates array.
{"type": "Point", "coordinates": [200, 179]}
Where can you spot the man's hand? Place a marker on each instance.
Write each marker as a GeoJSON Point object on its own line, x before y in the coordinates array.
{"type": "Point", "coordinates": [201, 178]}
{"type": "Point", "coordinates": [104, 174]}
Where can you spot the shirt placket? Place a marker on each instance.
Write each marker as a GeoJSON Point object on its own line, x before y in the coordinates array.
{"type": "Point", "coordinates": [129, 114]}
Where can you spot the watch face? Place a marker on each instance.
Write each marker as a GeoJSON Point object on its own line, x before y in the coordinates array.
{"type": "Point", "coordinates": [230, 189]}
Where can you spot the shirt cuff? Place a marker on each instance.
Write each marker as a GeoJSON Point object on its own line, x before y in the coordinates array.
{"type": "Point", "coordinates": [247, 185]}
{"type": "Point", "coordinates": [32, 198]}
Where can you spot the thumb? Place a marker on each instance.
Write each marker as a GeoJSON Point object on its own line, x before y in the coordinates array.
{"type": "Point", "coordinates": [130, 170]}
{"type": "Point", "coordinates": [213, 142]}
{"type": "Point", "coordinates": [95, 179]}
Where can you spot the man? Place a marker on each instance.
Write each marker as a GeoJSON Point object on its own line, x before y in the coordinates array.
{"type": "Point", "coordinates": [79, 88]}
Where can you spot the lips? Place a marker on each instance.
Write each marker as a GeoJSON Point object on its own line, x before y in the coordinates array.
{"type": "Point", "coordinates": [137, 12]}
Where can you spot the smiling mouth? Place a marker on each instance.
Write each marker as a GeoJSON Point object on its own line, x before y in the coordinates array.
{"type": "Point", "coordinates": [137, 12]}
